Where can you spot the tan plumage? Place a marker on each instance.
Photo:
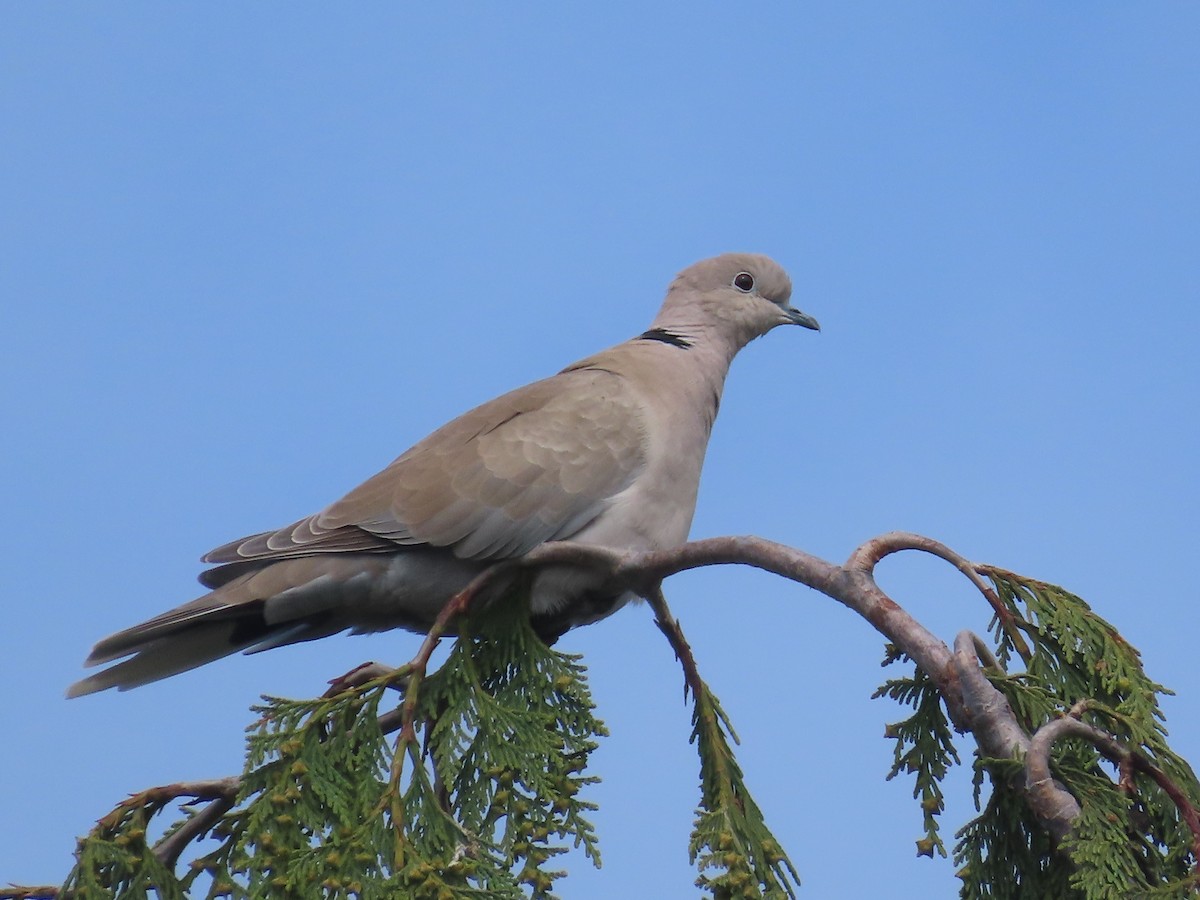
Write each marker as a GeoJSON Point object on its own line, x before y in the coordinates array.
{"type": "Point", "coordinates": [608, 451]}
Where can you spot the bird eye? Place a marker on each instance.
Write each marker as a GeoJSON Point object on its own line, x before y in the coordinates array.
{"type": "Point", "coordinates": [744, 282]}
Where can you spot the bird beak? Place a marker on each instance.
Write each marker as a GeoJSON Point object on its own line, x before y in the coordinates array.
{"type": "Point", "coordinates": [798, 318]}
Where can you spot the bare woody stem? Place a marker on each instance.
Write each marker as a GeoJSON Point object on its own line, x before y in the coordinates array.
{"type": "Point", "coordinates": [972, 702]}
{"type": "Point", "coordinates": [852, 585]}
{"type": "Point", "coordinates": [224, 798]}
{"type": "Point", "coordinates": [30, 892]}
{"type": "Point", "coordinates": [669, 626]}
{"type": "Point", "coordinates": [869, 555]}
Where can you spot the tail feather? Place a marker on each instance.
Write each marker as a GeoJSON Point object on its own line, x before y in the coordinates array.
{"type": "Point", "coordinates": [196, 613]}
{"type": "Point", "coordinates": [283, 603]}
{"type": "Point", "coordinates": [200, 642]}
{"type": "Point", "coordinates": [280, 603]}
{"type": "Point", "coordinates": [162, 657]}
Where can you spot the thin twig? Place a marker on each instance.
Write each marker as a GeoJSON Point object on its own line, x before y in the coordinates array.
{"type": "Point", "coordinates": [359, 676]}
{"type": "Point", "coordinates": [211, 789]}
{"type": "Point", "coordinates": [669, 626]}
{"type": "Point", "coordinates": [414, 673]}
{"type": "Point", "coordinates": [169, 848]}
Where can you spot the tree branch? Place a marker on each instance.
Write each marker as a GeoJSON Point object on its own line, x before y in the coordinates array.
{"type": "Point", "coordinates": [853, 587]}
{"type": "Point", "coordinates": [669, 626]}
{"type": "Point", "coordinates": [971, 701]}
{"type": "Point", "coordinates": [360, 675]}
{"type": "Point", "coordinates": [869, 555]}
{"type": "Point", "coordinates": [993, 722]}
{"type": "Point", "coordinates": [1037, 769]}
{"type": "Point", "coordinates": [170, 847]}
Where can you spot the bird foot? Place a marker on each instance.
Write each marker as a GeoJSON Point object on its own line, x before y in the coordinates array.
{"type": "Point", "coordinates": [357, 677]}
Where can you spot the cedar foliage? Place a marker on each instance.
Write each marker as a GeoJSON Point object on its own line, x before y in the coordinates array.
{"type": "Point", "coordinates": [1130, 840]}
{"type": "Point", "coordinates": [481, 790]}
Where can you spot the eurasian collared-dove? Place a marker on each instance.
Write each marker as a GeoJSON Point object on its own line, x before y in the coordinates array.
{"type": "Point", "coordinates": [606, 452]}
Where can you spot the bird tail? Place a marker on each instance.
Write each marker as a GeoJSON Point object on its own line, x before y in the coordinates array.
{"type": "Point", "coordinates": [281, 603]}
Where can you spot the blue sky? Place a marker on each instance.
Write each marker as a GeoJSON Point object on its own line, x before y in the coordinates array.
{"type": "Point", "coordinates": [251, 253]}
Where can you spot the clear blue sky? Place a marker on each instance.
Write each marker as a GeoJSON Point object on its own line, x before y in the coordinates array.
{"type": "Point", "coordinates": [251, 253]}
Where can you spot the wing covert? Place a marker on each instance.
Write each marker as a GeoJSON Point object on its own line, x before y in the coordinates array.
{"type": "Point", "coordinates": [533, 465]}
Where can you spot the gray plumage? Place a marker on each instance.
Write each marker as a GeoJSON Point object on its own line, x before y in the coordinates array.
{"type": "Point", "coordinates": [607, 452]}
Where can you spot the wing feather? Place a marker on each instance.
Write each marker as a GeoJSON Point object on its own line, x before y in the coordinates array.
{"type": "Point", "coordinates": [533, 465]}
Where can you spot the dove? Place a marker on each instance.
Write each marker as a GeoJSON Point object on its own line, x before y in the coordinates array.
{"type": "Point", "coordinates": [608, 452]}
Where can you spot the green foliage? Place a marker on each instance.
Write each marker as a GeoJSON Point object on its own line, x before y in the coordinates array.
{"type": "Point", "coordinates": [1076, 655]}
{"type": "Point", "coordinates": [730, 835]}
{"type": "Point", "coordinates": [314, 798]}
{"type": "Point", "coordinates": [510, 732]}
{"type": "Point", "coordinates": [474, 799]}
{"type": "Point", "coordinates": [115, 860]}
{"type": "Point", "coordinates": [924, 746]}
{"type": "Point", "coordinates": [1004, 852]}
{"type": "Point", "coordinates": [480, 790]}
{"type": "Point", "coordinates": [1130, 840]}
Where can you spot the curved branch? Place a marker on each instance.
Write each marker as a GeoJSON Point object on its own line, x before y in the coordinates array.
{"type": "Point", "coordinates": [869, 554]}
{"type": "Point", "coordinates": [641, 571]}
{"type": "Point", "coordinates": [1037, 770]}
{"type": "Point", "coordinates": [971, 701]}
{"type": "Point", "coordinates": [210, 789]}
{"type": "Point", "coordinates": [169, 848]}
{"type": "Point", "coordinates": [993, 722]}
{"type": "Point", "coordinates": [1049, 800]}
{"type": "Point", "coordinates": [221, 794]}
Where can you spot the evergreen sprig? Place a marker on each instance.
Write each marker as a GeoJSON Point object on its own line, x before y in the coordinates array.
{"type": "Point", "coordinates": [510, 729]}
{"type": "Point", "coordinates": [735, 852]}
{"type": "Point", "coordinates": [1076, 655]}
{"type": "Point", "coordinates": [1129, 839]}
{"type": "Point", "coordinates": [314, 794]}
{"type": "Point", "coordinates": [924, 745]}
{"type": "Point", "coordinates": [115, 859]}
{"type": "Point", "coordinates": [488, 793]}
{"type": "Point", "coordinates": [1003, 853]}
{"type": "Point", "coordinates": [480, 791]}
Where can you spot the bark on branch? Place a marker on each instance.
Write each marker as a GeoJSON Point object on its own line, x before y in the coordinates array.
{"type": "Point", "coordinates": [972, 702]}
{"type": "Point", "coordinates": [1037, 765]}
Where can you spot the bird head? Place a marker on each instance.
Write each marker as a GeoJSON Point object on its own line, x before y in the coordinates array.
{"type": "Point", "coordinates": [735, 297]}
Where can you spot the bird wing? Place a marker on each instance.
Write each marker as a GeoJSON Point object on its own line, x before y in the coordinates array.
{"type": "Point", "coordinates": [534, 465]}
